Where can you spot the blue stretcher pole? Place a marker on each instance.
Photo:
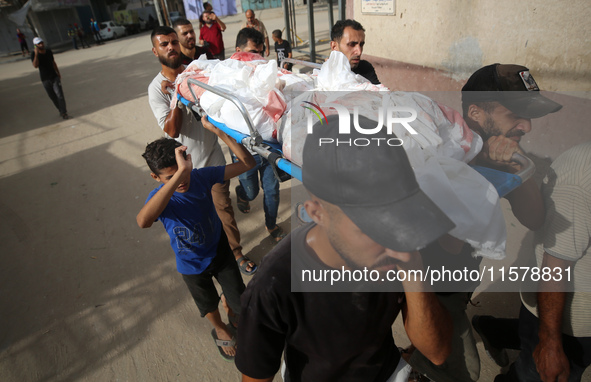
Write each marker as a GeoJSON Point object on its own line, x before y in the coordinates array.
{"type": "Point", "coordinates": [236, 135]}
{"type": "Point", "coordinates": [239, 137]}
{"type": "Point", "coordinates": [254, 141]}
{"type": "Point", "coordinates": [290, 168]}
{"type": "Point", "coordinates": [505, 182]}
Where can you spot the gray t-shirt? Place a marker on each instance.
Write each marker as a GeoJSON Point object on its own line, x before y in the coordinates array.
{"type": "Point", "coordinates": [201, 144]}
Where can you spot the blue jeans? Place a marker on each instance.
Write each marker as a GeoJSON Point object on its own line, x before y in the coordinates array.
{"type": "Point", "coordinates": [576, 349]}
{"type": "Point", "coordinates": [249, 188]}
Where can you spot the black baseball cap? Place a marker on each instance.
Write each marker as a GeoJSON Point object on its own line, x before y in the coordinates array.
{"type": "Point", "coordinates": [373, 184]}
{"type": "Point", "coordinates": [512, 86]}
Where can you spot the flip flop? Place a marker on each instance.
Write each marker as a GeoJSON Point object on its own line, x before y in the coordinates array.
{"type": "Point", "coordinates": [243, 205]}
{"type": "Point", "coordinates": [221, 343]}
{"type": "Point", "coordinates": [243, 267]}
{"type": "Point", "coordinates": [277, 233]}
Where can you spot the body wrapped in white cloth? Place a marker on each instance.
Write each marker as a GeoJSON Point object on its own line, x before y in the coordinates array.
{"type": "Point", "coordinates": [439, 152]}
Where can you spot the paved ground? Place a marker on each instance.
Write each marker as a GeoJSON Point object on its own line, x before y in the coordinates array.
{"type": "Point", "coordinates": [86, 294]}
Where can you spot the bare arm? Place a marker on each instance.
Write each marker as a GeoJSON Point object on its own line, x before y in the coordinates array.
{"type": "Point", "coordinates": [36, 58]}
{"type": "Point", "coordinates": [427, 323]}
{"type": "Point", "coordinates": [267, 46]}
{"type": "Point", "coordinates": [286, 65]}
{"type": "Point", "coordinates": [551, 362]}
{"type": "Point", "coordinates": [174, 122]}
{"type": "Point", "coordinates": [245, 159]}
{"type": "Point", "coordinates": [526, 200]}
{"type": "Point", "coordinates": [222, 25]}
{"type": "Point", "coordinates": [527, 205]}
{"type": "Point", "coordinates": [170, 121]}
{"type": "Point", "coordinates": [154, 207]}
{"type": "Point", "coordinates": [215, 17]}
{"type": "Point", "coordinates": [57, 70]}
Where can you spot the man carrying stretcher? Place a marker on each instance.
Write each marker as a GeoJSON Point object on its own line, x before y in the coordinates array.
{"type": "Point", "coordinates": [180, 124]}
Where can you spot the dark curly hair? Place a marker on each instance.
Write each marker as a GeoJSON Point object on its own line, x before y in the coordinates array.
{"type": "Point", "coordinates": [160, 154]}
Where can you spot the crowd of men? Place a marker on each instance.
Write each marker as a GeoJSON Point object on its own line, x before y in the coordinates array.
{"type": "Point", "coordinates": [363, 217]}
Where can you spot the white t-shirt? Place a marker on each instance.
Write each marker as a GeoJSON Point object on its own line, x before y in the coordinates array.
{"type": "Point", "coordinates": [202, 144]}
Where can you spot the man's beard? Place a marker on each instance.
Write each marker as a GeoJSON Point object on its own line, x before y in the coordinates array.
{"type": "Point", "coordinates": [190, 44]}
{"type": "Point", "coordinates": [171, 62]}
{"type": "Point", "coordinates": [491, 129]}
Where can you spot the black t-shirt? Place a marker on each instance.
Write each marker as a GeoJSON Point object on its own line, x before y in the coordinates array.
{"type": "Point", "coordinates": [46, 69]}
{"type": "Point", "coordinates": [283, 51]}
{"type": "Point", "coordinates": [366, 70]}
{"type": "Point", "coordinates": [186, 60]}
{"type": "Point", "coordinates": [435, 257]}
{"type": "Point", "coordinates": [325, 336]}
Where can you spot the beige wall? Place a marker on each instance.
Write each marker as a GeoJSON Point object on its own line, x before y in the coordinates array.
{"type": "Point", "coordinates": [456, 37]}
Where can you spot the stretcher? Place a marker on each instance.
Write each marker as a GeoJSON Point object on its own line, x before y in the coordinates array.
{"type": "Point", "coordinates": [271, 151]}
{"type": "Point", "coordinates": [284, 169]}
{"type": "Point", "coordinates": [505, 182]}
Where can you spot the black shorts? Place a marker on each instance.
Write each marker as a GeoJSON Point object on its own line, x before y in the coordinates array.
{"type": "Point", "coordinates": [224, 268]}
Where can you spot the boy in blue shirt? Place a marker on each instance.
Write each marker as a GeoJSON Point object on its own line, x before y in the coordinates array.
{"type": "Point", "coordinates": [183, 203]}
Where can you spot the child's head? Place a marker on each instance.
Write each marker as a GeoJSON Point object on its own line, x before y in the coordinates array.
{"type": "Point", "coordinates": [160, 154]}
{"type": "Point", "coordinates": [161, 158]}
{"type": "Point", "coordinates": [277, 35]}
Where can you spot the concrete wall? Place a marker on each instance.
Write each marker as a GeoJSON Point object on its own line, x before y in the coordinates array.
{"type": "Point", "coordinates": [8, 41]}
{"type": "Point", "coordinates": [456, 37]}
{"type": "Point", "coordinates": [53, 25]}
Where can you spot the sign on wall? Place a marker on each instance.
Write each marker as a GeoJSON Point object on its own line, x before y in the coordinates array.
{"type": "Point", "coordinates": [378, 7]}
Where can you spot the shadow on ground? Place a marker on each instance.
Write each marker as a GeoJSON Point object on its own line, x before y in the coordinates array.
{"type": "Point", "coordinates": [74, 299]}
{"type": "Point", "coordinates": [129, 76]}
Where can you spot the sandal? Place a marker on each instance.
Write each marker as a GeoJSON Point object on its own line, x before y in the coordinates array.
{"type": "Point", "coordinates": [243, 205]}
{"type": "Point", "coordinates": [277, 233]}
{"type": "Point", "coordinates": [243, 263]}
{"type": "Point", "coordinates": [223, 343]}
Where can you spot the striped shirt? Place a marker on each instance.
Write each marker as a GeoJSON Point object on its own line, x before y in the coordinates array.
{"type": "Point", "coordinates": [567, 233]}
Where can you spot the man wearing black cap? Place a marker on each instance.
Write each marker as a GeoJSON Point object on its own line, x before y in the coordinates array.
{"type": "Point", "coordinates": [499, 102]}
{"type": "Point", "coordinates": [363, 221]}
